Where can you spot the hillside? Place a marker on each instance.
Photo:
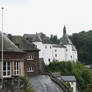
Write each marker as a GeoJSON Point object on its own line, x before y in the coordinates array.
{"type": "Point", "coordinates": [83, 43]}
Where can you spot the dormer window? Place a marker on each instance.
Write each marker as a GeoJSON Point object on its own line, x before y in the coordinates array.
{"type": "Point", "coordinates": [31, 57]}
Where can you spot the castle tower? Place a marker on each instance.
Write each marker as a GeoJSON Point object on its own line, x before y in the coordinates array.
{"type": "Point", "coordinates": [64, 30]}
{"type": "Point", "coordinates": [65, 39]}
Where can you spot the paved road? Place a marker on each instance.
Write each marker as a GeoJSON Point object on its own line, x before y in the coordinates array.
{"type": "Point", "coordinates": [43, 83]}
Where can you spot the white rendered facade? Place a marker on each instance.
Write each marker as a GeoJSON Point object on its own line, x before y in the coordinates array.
{"type": "Point", "coordinates": [50, 52]}
{"type": "Point", "coordinates": [65, 51]}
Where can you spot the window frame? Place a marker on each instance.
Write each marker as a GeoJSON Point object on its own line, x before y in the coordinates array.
{"type": "Point", "coordinates": [6, 69]}
{"type": "Point", "coordinates": [30, 69]}
{"type": "Point", "coordinates": [16, 68]}
{"type": "Point", "coordinates": [30, 57]}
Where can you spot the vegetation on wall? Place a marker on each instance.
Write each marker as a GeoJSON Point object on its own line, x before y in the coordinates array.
{"type": "Point", "coordinates": [27, 86]}
{"type": "Point", "coordinates": [83, 74]}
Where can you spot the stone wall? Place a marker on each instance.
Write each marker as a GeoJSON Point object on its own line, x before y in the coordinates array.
{"type": "Point", "coordinates": [34, 63]}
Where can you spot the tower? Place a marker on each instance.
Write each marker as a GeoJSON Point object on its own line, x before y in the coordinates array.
{"type": "Point", "coordinates": [64, 30]}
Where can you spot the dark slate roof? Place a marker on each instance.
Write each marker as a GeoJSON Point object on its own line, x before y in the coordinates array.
{"type": "Point", "coordinates": [57, 45]}
{"type": "Point", "coordinates": [23, 43]}
{"type": "Point", "coordinates": [65, 39]}
{"type": "Point", "coordinates": [68, 78]}
{"type": "Point", "coordinates": [74, 48]}
{"type": "Point", "coordinates": [39, 37]}
{"type": "Point", "coordinates": [8, 46]}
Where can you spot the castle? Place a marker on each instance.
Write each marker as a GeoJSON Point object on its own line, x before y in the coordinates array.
{"type": "Point", "coordinates": [64, 51]}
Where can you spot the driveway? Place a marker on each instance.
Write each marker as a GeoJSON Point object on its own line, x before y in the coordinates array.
{"type": "Point", "coordinates": [43, 83]}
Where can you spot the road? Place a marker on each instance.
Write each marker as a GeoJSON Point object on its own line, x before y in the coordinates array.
{"type": "Point", "coordinates": [43, 83]}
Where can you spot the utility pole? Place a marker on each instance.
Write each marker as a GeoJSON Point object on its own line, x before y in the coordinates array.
{"type": "Point", "coordinates": [2, 46]}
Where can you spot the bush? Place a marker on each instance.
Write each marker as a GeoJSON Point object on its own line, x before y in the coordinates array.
{"type": "Point", "coordinates": [27, 86]}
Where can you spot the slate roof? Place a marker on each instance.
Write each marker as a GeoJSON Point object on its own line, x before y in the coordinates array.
{"type": "Point", "coordinates": [69, 78]}
{"type": "Point", "coordinates": [23, 43]}
{"type": "Point", "coordinates": [39, 37]}
{"type": "Point", "coordinates": [57, 45]}
{"type": "Point", "coordinates": [8, 46]}
{"type": "Point", "coordinates": [65, 39]}
{"type": "Point", "coordinates": [73, 48]}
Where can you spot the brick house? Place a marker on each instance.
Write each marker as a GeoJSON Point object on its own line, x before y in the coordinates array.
{"type": "Point", "coordinates": [32, 54]}
{"type": "Point", "coordinates": [12, 67]}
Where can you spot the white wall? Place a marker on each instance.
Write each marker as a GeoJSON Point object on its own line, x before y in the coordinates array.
{"type": "Point", "coordinates": [49, 52]}
{"type": "Point", "coordinates": [73, 85]}
{"type": "Point", "coordinates": [59, 53]}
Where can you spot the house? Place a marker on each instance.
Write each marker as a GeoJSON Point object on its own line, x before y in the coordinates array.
{"type": "Point", "coordinates": [32, 54]}
{"type": "Point", "coordinates": [64, 51]}
{"type": "Point", "coordinates": [71, 80]}
{"type": "Point", "coordinates": [12, 65]}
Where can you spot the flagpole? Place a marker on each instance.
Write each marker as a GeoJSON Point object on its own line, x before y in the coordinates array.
{"type": "Point", "coordinates": [2, 45]}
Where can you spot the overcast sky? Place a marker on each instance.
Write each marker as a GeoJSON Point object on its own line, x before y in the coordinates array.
{"type": "Point", "coordinates": [47, 16]}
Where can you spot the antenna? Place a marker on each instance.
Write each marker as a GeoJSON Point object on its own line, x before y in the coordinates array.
{"type": "Point", "coordinates": [2, 45]}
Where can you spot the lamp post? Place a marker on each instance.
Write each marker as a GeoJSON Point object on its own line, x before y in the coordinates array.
{"type": "Point", "coordinates": [2, 45]}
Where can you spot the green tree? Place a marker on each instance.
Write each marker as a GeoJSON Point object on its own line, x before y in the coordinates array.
{"type": "Point", "coordinates": [83, 75]}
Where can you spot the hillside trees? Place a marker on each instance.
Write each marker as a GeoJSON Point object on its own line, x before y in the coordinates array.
{"type": "Point", "coordinates": [83, 43]}
{"type": "Point", "coordinates": [83, 75]}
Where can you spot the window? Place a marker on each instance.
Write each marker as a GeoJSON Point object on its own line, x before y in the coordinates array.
{"type": "Point", "coordinates": [6, 68]}
{"type": "Point", "coordinates": [30, 69]}
{"type": "Point", "coordinates": [50, 46]}
{"type": "Point", "coordinates": [55, 55]}
{"type": "Point", "coordinates": [55, 50]}
{"type": "Point", "coordinates": [46, 47]}
{"type": "Point", "coordinates": [27, 38]}
{"type": "Point", "coordinates": [49, 59]}
{"type": "Point", "coordinates": [71, 83]}
{"type": "Point", "coordinates": [31, 57]}
{"type": "Point", "coordinates": [16, 68]}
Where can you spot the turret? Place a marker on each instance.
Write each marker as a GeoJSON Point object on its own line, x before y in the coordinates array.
{"type": "Point", "coordinates": [64, 30]}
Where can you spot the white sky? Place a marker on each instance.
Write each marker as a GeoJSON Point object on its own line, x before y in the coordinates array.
{"type": "Point", "coordinates": [47, 16]}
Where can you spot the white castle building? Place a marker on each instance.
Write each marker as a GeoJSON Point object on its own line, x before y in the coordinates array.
{"type": "Point", "coordinates": [64, 51]}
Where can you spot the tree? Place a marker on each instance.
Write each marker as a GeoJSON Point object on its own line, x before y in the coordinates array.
{"type": "Point", "coordinates": [83, 74]}
{"type": "Point", "coordinates": [83, 43]}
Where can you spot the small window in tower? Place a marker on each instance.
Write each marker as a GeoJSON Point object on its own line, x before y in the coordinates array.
{"type": "Point", "coordinates": [50, 46]}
